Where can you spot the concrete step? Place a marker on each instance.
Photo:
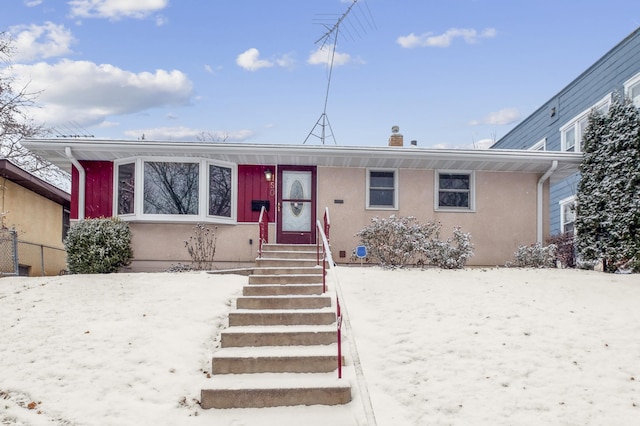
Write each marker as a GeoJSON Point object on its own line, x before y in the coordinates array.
{"type": "Point", "coordinates": [281, 289]}
{"type": "Point", "coordinates": [283, 302]}
{"type": "Point", "coordinates": [291, 254]}
{"type": "Point", "coordinates": [288, 270]}
{"type": "Point", "coordinates": [286, 279]}
{"type": "Point", "coordinates": [304, 335]}
{"type": "Point", "coordinates": [281, 317]}
{"type": "Point", "coordinates": [264, 262]}
{"type": "Point", "coordinates": [274, 390]}
{"type": "Point", "coordinates": [270, 359]}
{"type": "Point", "coordinates": [271, 247]}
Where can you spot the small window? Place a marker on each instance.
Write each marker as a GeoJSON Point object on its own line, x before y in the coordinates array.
{"type": "Point", "coordinates": [539, 146]}
{"type": "Point", "coordinates": [454, 191]}
{"type": "Point", "coordinates": [568, 215]}
{"type": "Point", "coordinates": [382, 189]}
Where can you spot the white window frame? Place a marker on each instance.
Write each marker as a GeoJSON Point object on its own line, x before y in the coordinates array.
{"type": "Point", "coordinates": [203, 191]}
{"type": "Point", "coordinates": [575, 125]}
{"type": "Point", "coordinates": [630, 84]}
{"type": "Point", "coordinates": [396, 178]}
{"type": "Point", "coordinates": [539, 146]}
{"type": "Point", "coordinates": [472, 191]}
{"type": "Point", "coordinates": [563, 203]}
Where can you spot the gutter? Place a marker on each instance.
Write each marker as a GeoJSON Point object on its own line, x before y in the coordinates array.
{"type": "Point", "coordinates": [82, 182]}
{"type": "Point", "coordinates": [539, 215]}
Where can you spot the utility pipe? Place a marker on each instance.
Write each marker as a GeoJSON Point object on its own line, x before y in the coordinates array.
{"type": "Point", "coordinates": [540, 215]}
{"type": "Point", "coordinates": [82, 182]}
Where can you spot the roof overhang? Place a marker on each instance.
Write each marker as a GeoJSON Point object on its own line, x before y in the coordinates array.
{"type": "Point", "coordinates": [25, 179]}
{"type": "Point", "coordinates": [311, 155]}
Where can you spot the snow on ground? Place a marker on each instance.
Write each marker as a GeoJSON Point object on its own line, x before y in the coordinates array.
{"type": "Point", "coordinates": [471, 347]}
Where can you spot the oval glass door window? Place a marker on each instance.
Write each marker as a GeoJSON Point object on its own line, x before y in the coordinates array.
{"type": "Point", "coordinates": [297, 192]}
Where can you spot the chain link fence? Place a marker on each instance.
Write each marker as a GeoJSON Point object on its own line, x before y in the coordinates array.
{"type": "Point", "coordinates": [9, 252]}
{"type": "Point", "coordinates": [23, 258]}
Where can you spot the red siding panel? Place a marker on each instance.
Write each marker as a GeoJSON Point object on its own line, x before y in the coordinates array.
{"type": "Point", "coordinates": [98, 190]}
{"type": "Point", "coordinates": [252, 185]}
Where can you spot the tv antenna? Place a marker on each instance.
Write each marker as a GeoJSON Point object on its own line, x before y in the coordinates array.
{"type": "Point", "coordinates": [330, 37]}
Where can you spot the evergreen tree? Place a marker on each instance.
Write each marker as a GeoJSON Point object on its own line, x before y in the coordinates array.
{"type": "Point", "coordinates": [590, 199]}
{"type": "Point", "coordinates": [608, 199]}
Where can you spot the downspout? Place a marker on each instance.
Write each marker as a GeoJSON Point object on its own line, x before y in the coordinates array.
{"type": "Point", "coordinates": [540, 215]}
{"type": "Point", "coordinates": [82, 182]}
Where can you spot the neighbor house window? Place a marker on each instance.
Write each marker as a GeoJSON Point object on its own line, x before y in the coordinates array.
{"type": "Point", "coordinates": [454, 190]}
{"type": "Point", "coordinates": [126, 174]}
{"type": "Point", "coordinates": [539, 146]}
{"type": "Point", "coordinates": [632, 89]}
{"type": "Point", "coordinates": [572, 132]}
{"type": "Point", "coordinates": [382, 189]}
{"type": "Point", "coordinates": [156, 189]}
{"type": "Point", "coordinates": [66, 222]}
{"type": "Point", "coordinates": [568, 215]}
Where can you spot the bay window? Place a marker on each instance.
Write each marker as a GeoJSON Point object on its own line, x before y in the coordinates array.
{"type": "Point", "coordinates": [177, 190]}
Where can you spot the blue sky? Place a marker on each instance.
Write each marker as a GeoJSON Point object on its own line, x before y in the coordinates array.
{"type": "Point", "coordinates": [451, 74]}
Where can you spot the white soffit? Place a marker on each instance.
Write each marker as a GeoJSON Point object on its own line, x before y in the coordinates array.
{"type": "Point", "coordinates": [311, 155]}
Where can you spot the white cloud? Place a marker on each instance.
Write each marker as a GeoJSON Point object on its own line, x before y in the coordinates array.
{"type": "Point", "coordinates": [180, 133]}
{"type": "Point", "coordinates": [32, 3]}
{"type": "Point", "coordinates": [33, 42]}
{"type": "Point", "coordinates": [88, 93]}
{"type": "Point", "coordinates": [250, 60]}
{"type": "Point", "coordinates": [322, 56]}
{"type": "Point", "coordinates": [469, 35]}
{"type": "Point", "coordinates": [115, 9]}
{"type": "Point", "coordinates": [499, 118]}
{"type": "Point", "coordinates": [285, 61]}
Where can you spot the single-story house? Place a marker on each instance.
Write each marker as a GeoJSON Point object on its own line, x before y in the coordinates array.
{"type": "Point", "coordinates": [559, 123]}
{"type": "Point", "coordinates": [163, 189]}
{"type": "Point", "coordinates": [35, 219]}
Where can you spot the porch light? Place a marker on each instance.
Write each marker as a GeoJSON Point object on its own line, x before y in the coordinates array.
{"type": "Point", "coordinates": [268, 174]}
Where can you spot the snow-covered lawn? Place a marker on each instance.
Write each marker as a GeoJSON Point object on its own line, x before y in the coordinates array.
{"type": "Point", "coordinates": [470, 347]}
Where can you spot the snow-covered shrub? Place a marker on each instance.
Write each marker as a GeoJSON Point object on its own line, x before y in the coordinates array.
{"type": "Point", "coordinates": [202, 246]}
{"type": "Point", "coordinates": [398, 241]}
{"type": "Point", "coordinates": [535, 256]}
{"type": "Point", "coordinates": [452, 253]}
{"type": "Point", "coordinates": [392, 242]}
{"type": "Point", "coordinates": [565, 249]}
{"type": "Point", "coordinates": [98, 246]}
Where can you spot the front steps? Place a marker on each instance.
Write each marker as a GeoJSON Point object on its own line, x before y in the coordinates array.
{"type": "Point", "coordinates": [280, 348]}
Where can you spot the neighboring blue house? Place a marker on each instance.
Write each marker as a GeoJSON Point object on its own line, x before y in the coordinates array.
{"type": "Point", "coordinates": [559, 123]}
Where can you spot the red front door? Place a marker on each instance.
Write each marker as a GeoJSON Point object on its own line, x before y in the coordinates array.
{"type": "Point", "coordinates": [296, 205]}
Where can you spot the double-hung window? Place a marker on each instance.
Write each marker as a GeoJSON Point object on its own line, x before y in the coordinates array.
{"type": "Point", "coordinates": [382, 189]}
{"type": "Point", "coordinates": [572, 132]}
{"type": "Point", "coordinates": [454, 191]}
{"type": "Point", "coordinates": [180, 190]}
{"type": "Point", "coordinates": [632, 89]}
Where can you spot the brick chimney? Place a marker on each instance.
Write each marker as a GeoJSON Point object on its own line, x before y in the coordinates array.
{"type": "Point", "coordinates": [396, 138]}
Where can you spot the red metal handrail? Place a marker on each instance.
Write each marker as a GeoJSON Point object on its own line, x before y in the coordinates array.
{"type": "Point", "coordinates": [327, 258]}
{"type": "Point", "coordinates": [263, 226]}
